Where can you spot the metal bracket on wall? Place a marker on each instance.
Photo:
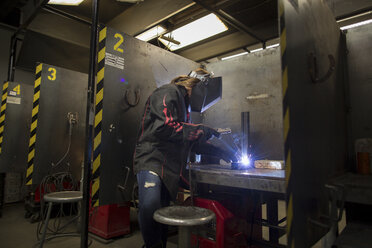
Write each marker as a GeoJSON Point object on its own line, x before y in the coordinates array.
{"type": "Point", "coordinates": [136, 100]}
{"type": "Point", "coordinates": [313, 68]}
{"type": "Point", "coordinates": [123, 187]}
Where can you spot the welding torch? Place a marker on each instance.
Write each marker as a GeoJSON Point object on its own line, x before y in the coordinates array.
{"type": "Point", "coordinates": [223, 130]}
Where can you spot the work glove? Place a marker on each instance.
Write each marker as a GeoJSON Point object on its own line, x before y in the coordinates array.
{"type": "Point", "coordinates": [199, 133]}
{"type": "Point", "coordinates": [212, 150]}
{"type": "Point", "coordinates": [209, 133]}
{"type": "Point", "coordinates": [227, 155]}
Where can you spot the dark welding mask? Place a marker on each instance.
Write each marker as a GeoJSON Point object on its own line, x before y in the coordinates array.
{"type": "Point", "coordinates": [205, 93]}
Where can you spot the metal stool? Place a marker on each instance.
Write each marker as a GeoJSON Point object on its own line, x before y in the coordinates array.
{"type": "Point", "coordinates": [185, 217]}
{"type": "Point", "coordinates": [58, 197]}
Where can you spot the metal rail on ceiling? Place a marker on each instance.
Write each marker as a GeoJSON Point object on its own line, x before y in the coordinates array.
{"type": "Point", "coordinates": [230, 20]}
{"type": "Point", "coordinates": [66, 15]}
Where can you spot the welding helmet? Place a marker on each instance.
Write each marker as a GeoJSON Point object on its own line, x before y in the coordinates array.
{"type": "Point", "coordinates": [205, 93]}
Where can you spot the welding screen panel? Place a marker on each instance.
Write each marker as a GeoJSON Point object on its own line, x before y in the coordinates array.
{"type": "Point", "coordinates": [61, 91]}
{"type": "Point", "coordinates": [317, 118]}
{"type": "Point", "coordinates": [251, 84]}
{"type": "Point", "coordinates": [142, 68]}
{"type": "Point", "coordinates": [360, 77]}
{"type": "Point", "coordinates": [14, 146]}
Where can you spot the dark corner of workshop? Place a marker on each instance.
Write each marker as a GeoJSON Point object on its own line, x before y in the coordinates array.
{"type": "Point", "coordinates": [186, 123]}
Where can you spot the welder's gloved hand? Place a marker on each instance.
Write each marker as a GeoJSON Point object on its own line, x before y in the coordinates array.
{"type": "Point", "coordinates": [228, 156]}
{"type": "Point", "coordinates": [199, 133]}
{"type": "Point", "coordinates": [209, 133]}
{"type": "Point", "coordinates": [215, 151]}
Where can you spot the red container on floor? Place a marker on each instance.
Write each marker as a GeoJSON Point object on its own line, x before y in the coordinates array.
{"type": "Point", "coordinates": [110, 221]}
{"type": "Point", "coordinates": [230, 228]}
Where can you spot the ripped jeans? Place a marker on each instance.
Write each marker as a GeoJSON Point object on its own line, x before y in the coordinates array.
{"type": "Point", "coordinates": [152, 195]}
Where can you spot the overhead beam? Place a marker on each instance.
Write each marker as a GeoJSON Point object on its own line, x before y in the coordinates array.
{"type": "Point", "coordinates": [228, 43]}
{"type": "Point", "coordinates": [221, 45]}
{"type": "Point", "coordinates": [59, 27]}
{"type": "Point", "coordinates": [30, 10]}
{"type": "Point", "coordinates": [66, 15]}
{"type": "Point", "coordinates": [146, 14]}
{"type": "Point", "coordinates": [230, 20]}
{"type": "Point", "coordinates": [345, 8]}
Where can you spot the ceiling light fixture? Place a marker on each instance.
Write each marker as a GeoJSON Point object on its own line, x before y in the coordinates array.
{"type": "Point", "coordinates": [354, 25]}
{"type": "Point", "coordinates": [233, 56]}
{"type": "Point", "coordinates": [251, 51]}
{"type": "Point", "coordinates": [151, 33]}
{"type": "Point", "coordinates": [256, 50]}
{"type": "Point", "coordinates": [271, 46]}
{"type": "Point", "coordinates": [195, 31]}
{"type": "Point", "coordinates": [66, 2]}
{"type": "Point", "coordinates": [130, 1]}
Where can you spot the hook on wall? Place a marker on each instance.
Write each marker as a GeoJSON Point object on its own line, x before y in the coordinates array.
{"type": "Point", "coordinates": [136, 100]}
{"type": "Point", "coordinates": [313, 68]}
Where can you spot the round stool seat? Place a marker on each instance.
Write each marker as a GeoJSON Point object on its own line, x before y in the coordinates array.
{"type": "Point", "coordinates": [64, 196]}
{"type": "Point", "coordinates": [183, 215]}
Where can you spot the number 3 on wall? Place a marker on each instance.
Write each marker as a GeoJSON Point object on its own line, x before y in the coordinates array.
{"type": "Point", "coordinates": [52, 75]}
{"type": "Point", "coordinates": [117, 45]}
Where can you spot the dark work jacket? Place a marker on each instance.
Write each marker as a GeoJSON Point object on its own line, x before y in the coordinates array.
{"type": "Point", "coordinates": [165, 136]}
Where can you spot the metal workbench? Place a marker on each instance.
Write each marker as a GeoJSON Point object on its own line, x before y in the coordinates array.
{"type": "Point", "coordinates": [270, 184]}
{"type": "Point", "coordinates": [357, 188]}
{"type": "Point", "coordinates": [257, 179]}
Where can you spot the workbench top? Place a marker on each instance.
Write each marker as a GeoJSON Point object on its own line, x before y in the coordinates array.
{"type": "Point", "coordinates": [356, 188]}
{"type": "Point", "coordinates": [257, 179]}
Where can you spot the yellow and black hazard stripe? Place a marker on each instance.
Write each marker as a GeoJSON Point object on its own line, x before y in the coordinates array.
{"type": "Point", "coordinates": [98, 117]}
{"type": "Point", "coordinates": [286, 124]}
{"type": "Point", "coordinates": [35, 112]}
{"type": "Point", "coordinates": [4, 97]}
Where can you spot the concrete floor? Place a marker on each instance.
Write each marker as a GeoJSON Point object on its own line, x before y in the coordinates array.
{"type": "Point", "coordinates": [18, 232]}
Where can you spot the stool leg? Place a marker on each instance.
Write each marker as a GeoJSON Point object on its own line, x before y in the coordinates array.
{"type": "Point", "coordinates": [46, 224]}
{"type": "Point", "coordinates": [184, 237]}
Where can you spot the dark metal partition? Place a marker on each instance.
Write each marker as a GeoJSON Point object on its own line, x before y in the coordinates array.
{"type": "Point", "coordinates": [57, 129]}
{"type": "Point", "coordinates": [15, 124]}
{"type": "Point", "coordinates": [314, 114]}
{"type": "Point", "coordinates": [128, 71]}
{"type": "Point", "coordinates": [359, 47]}
{"type": "Point", "coordinates": [251, 83]}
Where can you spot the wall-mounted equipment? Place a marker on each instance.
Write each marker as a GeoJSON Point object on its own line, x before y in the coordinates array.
{"type": "Point", "coordinates": [56, 134]}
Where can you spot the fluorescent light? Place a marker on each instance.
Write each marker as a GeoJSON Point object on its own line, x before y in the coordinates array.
{"type": "Point", "coordinates": [66, 2]}
{"type": "Point", "coordinates": [195, 31]}
{"type": "Point", "coordinates": [252, 51]}
{"type": "Point", "coordinates": [151, 33]}
{"type": "Point", "coordinates": [356, 24]}
{"type": "Point", "coordinates": [271, 46]}
{"type": "Point", "coordinates": [355, 16]}
{"type": "Point", "coordinates": [256, 50]}
{"type": "Point", "coordinates": [130, 1]}
{"type": "Point", "coordinates": [233, 56]}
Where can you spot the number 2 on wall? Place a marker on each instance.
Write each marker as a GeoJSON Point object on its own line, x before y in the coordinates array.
{"type": "Point", "coordinates": [52, 75]}
{"type": "Point", "coordinates": [117, 45]}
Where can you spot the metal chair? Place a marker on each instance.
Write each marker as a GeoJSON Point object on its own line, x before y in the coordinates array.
{"type": "Point", "coordinates": [185, 217]}
{"type": "Point", "coordinates": [58, 197]}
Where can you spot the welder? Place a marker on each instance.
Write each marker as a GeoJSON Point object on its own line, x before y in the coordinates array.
{"type": "Point", "coordinates": [165, 138]}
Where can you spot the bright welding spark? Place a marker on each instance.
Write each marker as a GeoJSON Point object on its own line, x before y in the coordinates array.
{"type": "Point", "coordinates": [245, 160]}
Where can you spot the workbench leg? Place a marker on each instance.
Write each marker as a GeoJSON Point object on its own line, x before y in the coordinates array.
{"type": "Point", "coordinates": [272, 218]}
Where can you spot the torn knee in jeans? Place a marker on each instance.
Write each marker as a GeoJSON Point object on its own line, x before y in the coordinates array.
{"type": "Point", "coordinates": [149, 184]}
{"type": "Point", "coordinates": [153, 173]}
